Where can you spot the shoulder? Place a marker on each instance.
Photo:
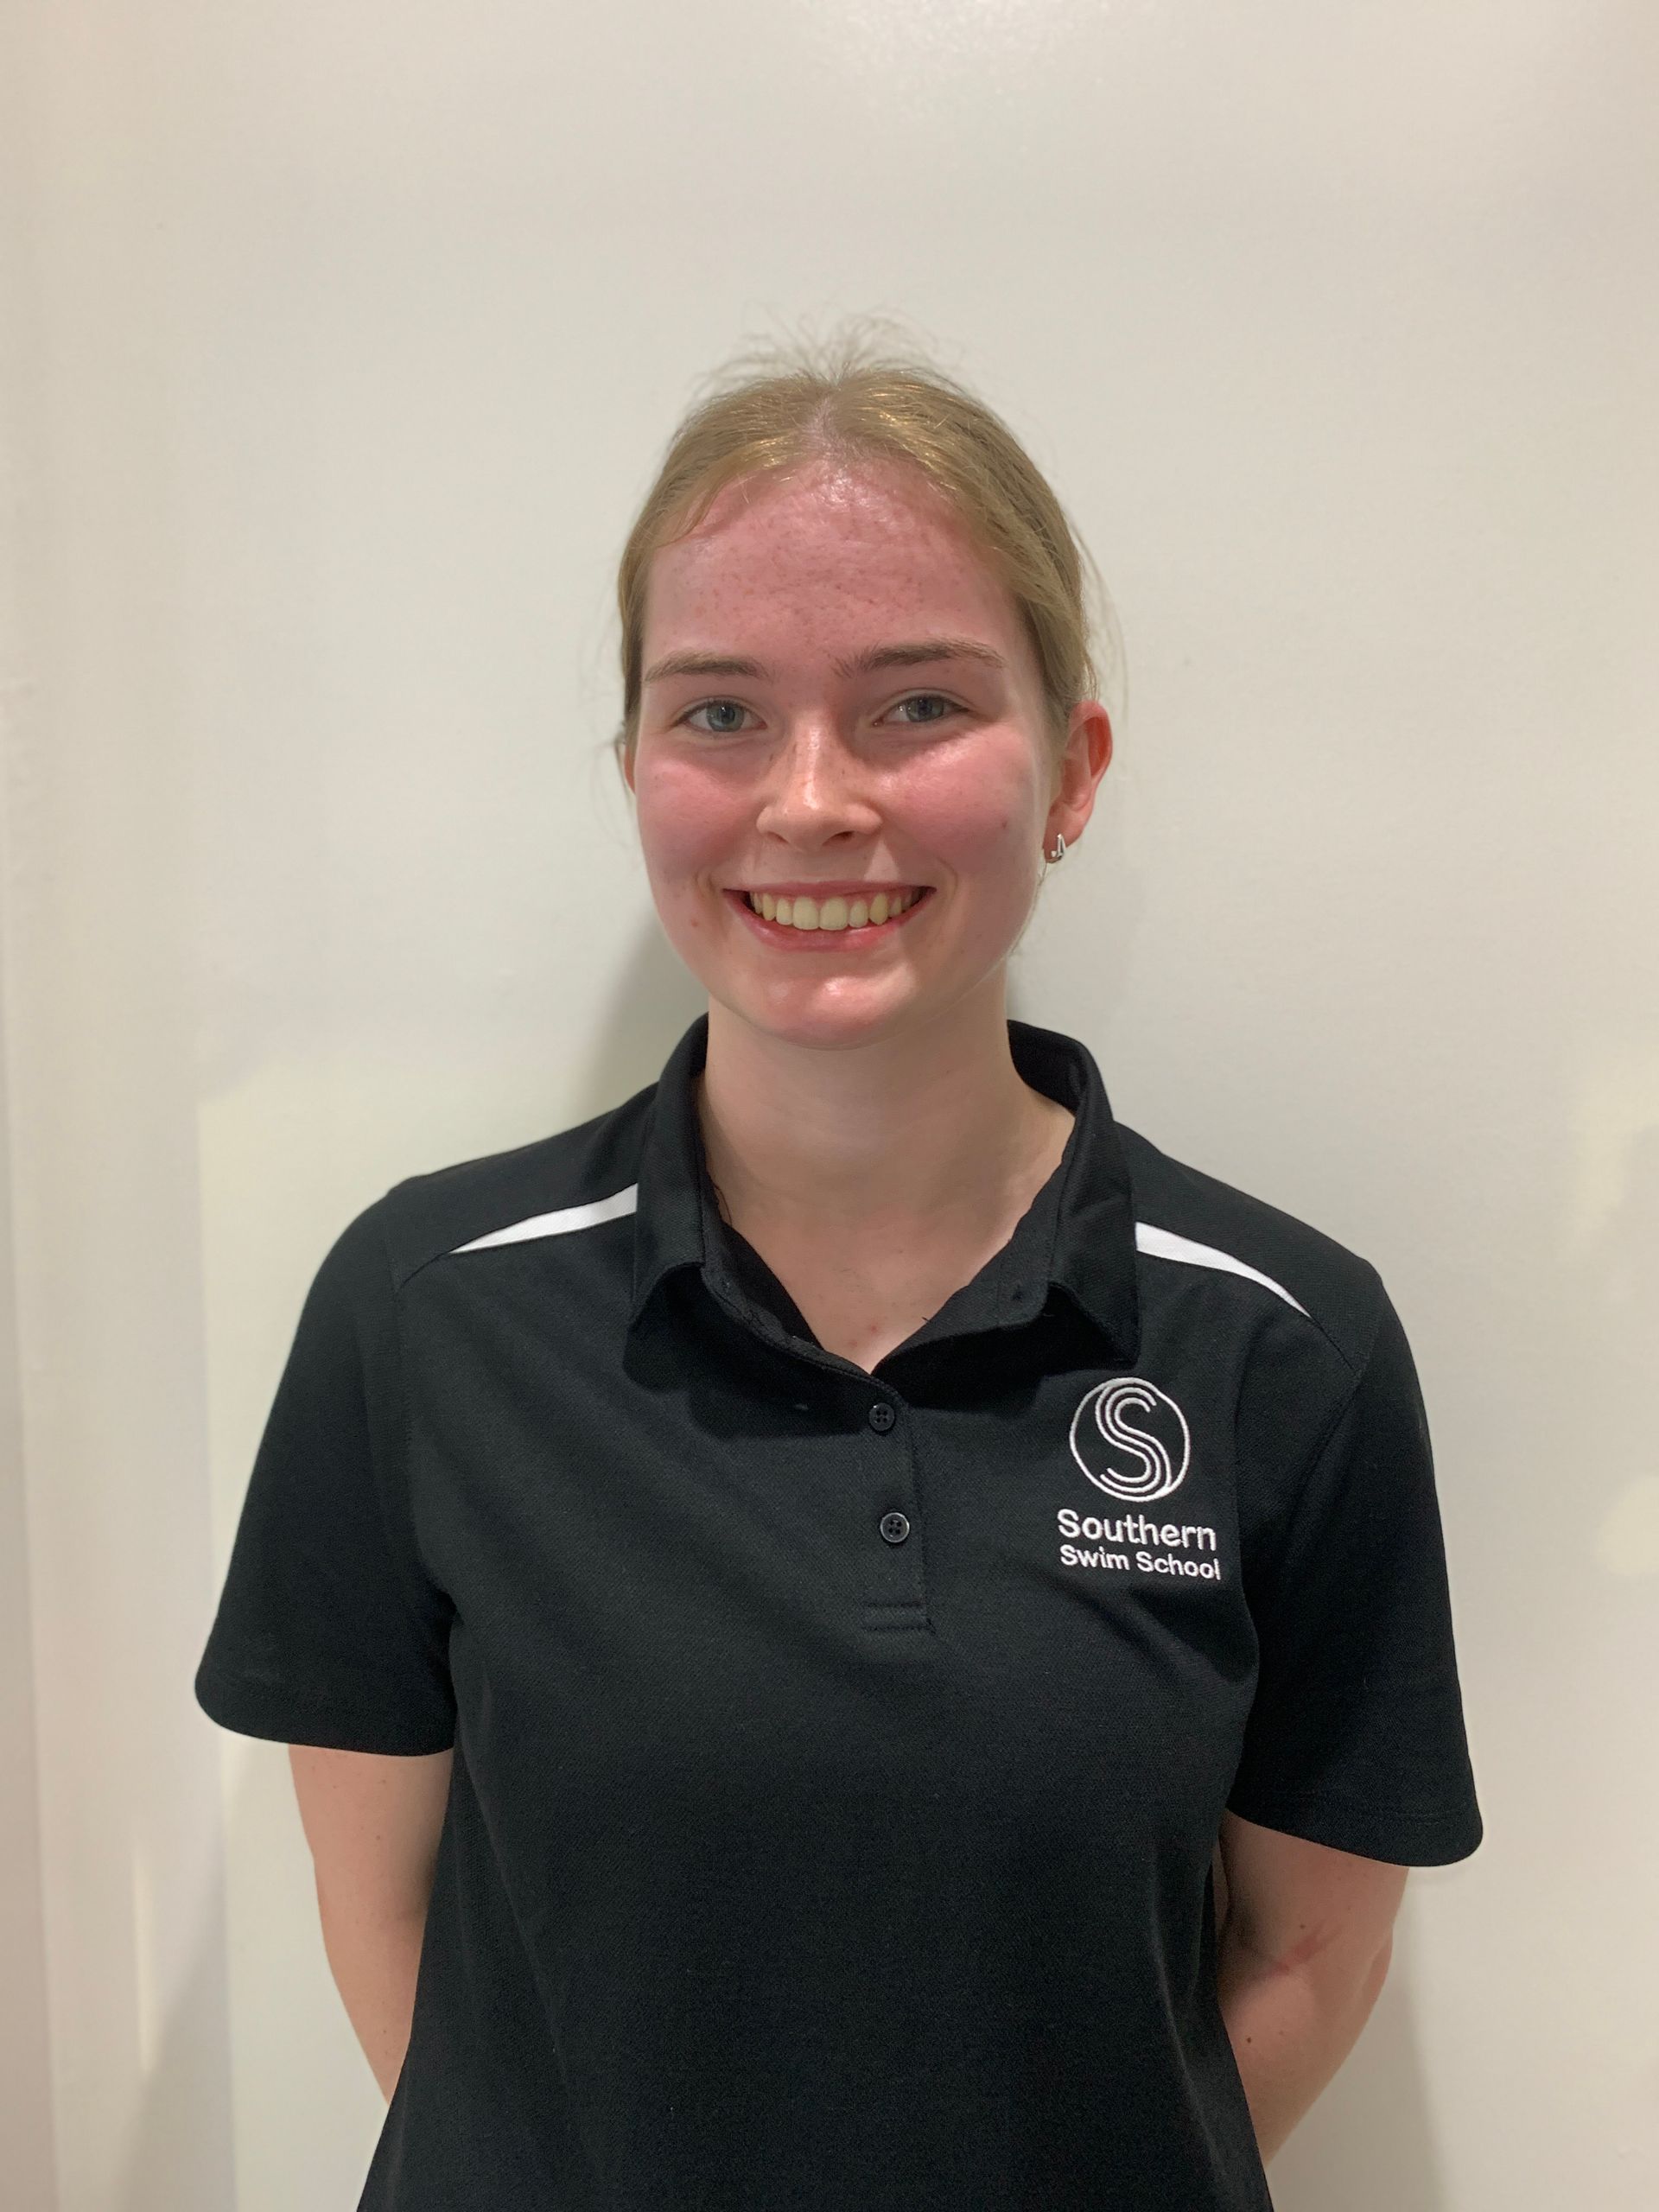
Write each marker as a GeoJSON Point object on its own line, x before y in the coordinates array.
{"type": "Point", "coordinates": [1260, 1260]}
{"type": "Point", "coordinates": [576, 1178]}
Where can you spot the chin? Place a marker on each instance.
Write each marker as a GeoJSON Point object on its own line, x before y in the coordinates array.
{"type": "Point", "coordinates": [820, 1021]}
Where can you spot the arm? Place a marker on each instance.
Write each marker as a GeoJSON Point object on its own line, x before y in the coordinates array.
{"type": "Point", "coordinates": [1303, 1954]}
{"type": "Point", "coordinates": [374, 1823]}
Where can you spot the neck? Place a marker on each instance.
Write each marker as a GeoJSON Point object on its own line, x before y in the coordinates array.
{"type": "Point", "coordinates": [854, 1144]}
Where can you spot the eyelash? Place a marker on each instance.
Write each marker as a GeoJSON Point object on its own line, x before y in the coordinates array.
{"type": "Point", "coordinates": [909, 699]}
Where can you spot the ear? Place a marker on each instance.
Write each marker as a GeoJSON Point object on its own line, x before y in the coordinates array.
{"type": "Point", "coordinates": [1087, 756]}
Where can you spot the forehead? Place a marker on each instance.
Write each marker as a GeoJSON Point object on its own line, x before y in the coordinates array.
{"type": "Point", "coordinates": [830, 550]}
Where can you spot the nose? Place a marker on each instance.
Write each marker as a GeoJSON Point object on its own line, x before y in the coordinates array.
{"type": "Point", "coordinates": [815, 785]}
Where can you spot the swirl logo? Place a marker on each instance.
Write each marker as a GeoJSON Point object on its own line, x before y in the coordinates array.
{"type": "Point", "coordinates": [1122, 1459]}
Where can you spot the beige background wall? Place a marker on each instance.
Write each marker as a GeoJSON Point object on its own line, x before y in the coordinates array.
{"type": "Point", "coordinates": [339, 342]}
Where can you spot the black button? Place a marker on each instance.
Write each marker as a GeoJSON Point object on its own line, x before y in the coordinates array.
{"type": "Point", "coordinates": [894, 1526]}
{"type": "Point", "coordinates": [882, 1417]}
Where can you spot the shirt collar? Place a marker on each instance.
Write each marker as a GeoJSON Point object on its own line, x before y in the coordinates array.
{"type": "Point", "coordinates": [1078, 1235]}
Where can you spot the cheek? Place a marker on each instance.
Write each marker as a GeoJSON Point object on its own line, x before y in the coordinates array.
{"type": "Point", "coordinates": [688, 819]}
{"type": "Point", "coordinates": [974, 818]}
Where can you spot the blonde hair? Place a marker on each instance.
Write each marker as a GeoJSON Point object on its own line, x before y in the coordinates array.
{"type": "Point", "coordinates": [851, 403]}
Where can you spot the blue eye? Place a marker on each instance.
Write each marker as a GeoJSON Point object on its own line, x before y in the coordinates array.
{"type": "Point", "coordinates": [704, 709]}
{"type": "Point", "coordinates": [709, 706]}
{"type": "Point", "coordinates": [949, 705]}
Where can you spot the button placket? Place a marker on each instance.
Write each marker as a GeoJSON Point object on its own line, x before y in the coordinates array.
{"type": "Point", "coordinates": [894, 1529]}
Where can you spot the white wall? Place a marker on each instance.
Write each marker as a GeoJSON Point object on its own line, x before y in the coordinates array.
{"type": "Point", "coordinates": [341, 342]}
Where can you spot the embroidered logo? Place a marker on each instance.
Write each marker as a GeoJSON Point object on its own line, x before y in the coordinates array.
{"type": "Point", "coordinates": [1121, 1457]}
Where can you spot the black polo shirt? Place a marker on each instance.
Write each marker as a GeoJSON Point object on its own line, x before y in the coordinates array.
{"type": "Point", "coordinates": [838, 1756]}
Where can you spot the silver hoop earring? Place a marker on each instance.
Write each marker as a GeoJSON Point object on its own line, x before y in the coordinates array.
{"type": "Point", "coordinates": [1058, 853]}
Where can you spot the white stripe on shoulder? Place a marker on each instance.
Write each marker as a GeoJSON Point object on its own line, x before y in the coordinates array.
{"type": "Point", "coordinates": [1167, 1245]}
{"type": "Point", "coordinates": [556, 1225]}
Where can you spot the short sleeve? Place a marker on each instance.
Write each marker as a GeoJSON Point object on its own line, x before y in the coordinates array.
{"type": "Point", "coordinates": [328, 1629]}
{"type": "Point", "coordinates": [1356, 1736]}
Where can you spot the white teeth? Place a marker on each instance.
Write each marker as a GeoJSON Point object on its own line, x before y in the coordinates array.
{"type": "Point", "coordinates": [834, 914]}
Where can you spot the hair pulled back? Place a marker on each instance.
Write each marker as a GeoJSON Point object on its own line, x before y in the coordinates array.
{"type": "Point", "coordinates": [853, 401]}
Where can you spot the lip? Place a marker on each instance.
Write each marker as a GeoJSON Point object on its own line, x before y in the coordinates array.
{"type": "Point", "coordinates": [853, 887]}
{"type": "Point", "coordinates": [784, 935]}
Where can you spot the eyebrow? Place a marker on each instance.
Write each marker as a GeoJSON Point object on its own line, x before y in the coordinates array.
{"type": "Point", "coordinates": [911, 655]}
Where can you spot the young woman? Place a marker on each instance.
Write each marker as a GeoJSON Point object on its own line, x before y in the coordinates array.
{"type": "Point", "coordinates": [853, 1634]}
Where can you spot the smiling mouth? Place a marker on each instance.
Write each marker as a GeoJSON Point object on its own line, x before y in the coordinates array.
{"type": "Point", "coordinates": [832, 917]}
